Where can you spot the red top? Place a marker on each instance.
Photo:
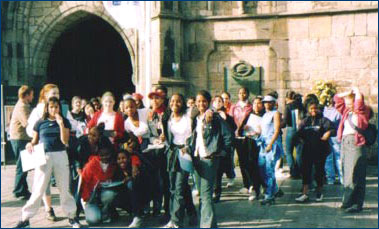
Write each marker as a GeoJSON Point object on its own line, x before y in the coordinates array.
{"type": "Point", "coordinates": [93, 174]}
{"type": "Point", "coordinates": [118, 124]}
{"type": "Point", "coordinates": [363, 113]}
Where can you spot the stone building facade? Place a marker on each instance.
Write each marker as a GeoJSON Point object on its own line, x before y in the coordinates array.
{"type": "Point", "coordinates": [290, 44]}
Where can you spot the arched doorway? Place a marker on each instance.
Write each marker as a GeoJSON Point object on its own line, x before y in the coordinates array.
{"type": "Point", "coordinates": [90, 58]}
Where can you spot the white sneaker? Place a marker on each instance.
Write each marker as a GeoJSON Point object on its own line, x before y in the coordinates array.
{"type": "Point", "coordinates": [302, 199]}
{"type": "Point", "coordinates": [171, 225]}
{"type": "Point", "coordinates": [230, 183]}
{"type": "Point", "coordinates": [195, 192]}
{"type": "Point", "coordinates": [136, 223]}
{"type": "Point", "coordinates": [252, 197]}
{"type": "Point", "coordinates": [319, 197]}
{"type": "Point", "coordinates": [244, 190]}
{"type": "Point", "coordinates": [251, 189]}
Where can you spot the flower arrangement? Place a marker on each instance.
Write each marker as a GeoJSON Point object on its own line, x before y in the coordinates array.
{"type": "Point", "coordinates": [325, 90]}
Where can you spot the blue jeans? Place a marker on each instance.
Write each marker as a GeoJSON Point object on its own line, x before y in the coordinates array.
{"type": "Point", "coordinates": [333, 164]}
{"type": "Point", "coordinates": [20, 184]}
{"type": "Point", "coordinates": [295, 166]}
{"type": "Point", "coordinates": [205, 172]}
{"type": "Point", "coordinates": [267, 162]}
{"type": "Point", "coordinates": [96, 214]}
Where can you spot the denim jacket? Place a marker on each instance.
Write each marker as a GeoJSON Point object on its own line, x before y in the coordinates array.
{"type": "Point", "coordinates": [218, 137]}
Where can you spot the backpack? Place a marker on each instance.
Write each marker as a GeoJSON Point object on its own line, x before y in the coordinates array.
{"type": "Point", "coordinates": [370, 134]}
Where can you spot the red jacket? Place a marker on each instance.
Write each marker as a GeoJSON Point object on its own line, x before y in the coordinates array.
{"type": "Point", "coordinates": [361, 110]}
{"type": "Point", "coordinates": [93, 174]}
{"type": "Point", "coordinates": [118, 124]}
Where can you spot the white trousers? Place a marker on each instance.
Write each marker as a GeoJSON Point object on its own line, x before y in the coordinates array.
{"type": "Point", "coordinates": [56, 162]}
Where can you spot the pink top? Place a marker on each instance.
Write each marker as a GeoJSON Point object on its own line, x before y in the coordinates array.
{"type": "Point", "coordinates": [363, 113]}
{"type": "Point", "coordinates": [239, 113]}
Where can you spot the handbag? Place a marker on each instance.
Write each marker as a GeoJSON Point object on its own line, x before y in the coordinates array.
{"type": "Point", "coordinates": [370, 133]}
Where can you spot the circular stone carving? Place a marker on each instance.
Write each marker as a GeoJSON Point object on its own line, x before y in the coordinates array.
{"type": "Point", "coordinates": [242, 69]}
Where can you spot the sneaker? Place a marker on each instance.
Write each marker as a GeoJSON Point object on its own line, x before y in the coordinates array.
{"type": "Point", "coordinates": [74, 223]}
{"type": "Point", "coordinates": [107, 220]}
{"type": "Point", "coordinates": [251, 189]}
{"type": "Point", "coordinates": [319, 197]}
{"type": "Point", "coordinates": [302, 199]}
{"type": "Point", "coordinates": [230, 183]}
{"type": "Point", "coordinates": [279, 193]}
{"type": "Point", "coordinates": [136, 223]}
{"type": "Point", "coordinates": [195, 192]}
{"type": "Point", "coordinates": [267, 201]}
{"type": "Point", "coordinates": [171, 225]}
{"type": "Point", "coordinates": [244, 190]}
{"type": "Point", "coordinates": [50, 215]}
{"type": "Point", "coordinates": [253, 197]}
{"type": "Point", "coordinates": [353, 209]}
{"type": "Point", "coordinates": [23, 224]}
{"type": "Point", "coordinates": [330, 182]}
{"type": "Point", "coordinates": [216, 199]}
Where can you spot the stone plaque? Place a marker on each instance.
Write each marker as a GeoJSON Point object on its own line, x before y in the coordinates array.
{"type": "Point", "coordinates": [242, 74]}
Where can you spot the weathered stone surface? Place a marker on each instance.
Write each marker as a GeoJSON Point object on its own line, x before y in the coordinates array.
{"type": "Point", "coordinates": [363, 46]}
{"type": "Point", "coordinates": [372, 24]}
{"type": "Point", "coordinates": [298, 28]}
{"type": "Point", "coordinates": [360, 24]}
{"type": "Point", "coordinates": [320, 27]}
{"type": "Point", "coordinates": [342, 25]}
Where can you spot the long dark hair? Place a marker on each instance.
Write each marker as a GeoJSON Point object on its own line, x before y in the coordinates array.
{"type": "Point", "coordinates": [46, 109]}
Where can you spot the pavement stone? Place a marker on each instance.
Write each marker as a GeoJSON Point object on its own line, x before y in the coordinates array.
{"type": "Point", "coordinates": [234, 209]}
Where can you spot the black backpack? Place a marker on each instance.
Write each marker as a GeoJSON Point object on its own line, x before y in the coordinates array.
{"type": "Point", "coordinates": [370, 133]}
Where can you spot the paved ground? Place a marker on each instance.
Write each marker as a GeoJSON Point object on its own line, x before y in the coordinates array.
{"type": "Point", "coordinates": [234, 210]}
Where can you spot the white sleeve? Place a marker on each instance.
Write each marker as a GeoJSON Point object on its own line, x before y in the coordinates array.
{"type": "Point", "coordinates": [33, 118]}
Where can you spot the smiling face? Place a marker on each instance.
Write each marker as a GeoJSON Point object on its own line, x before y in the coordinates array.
{"type": "Point", "coordinates": [176, 103]}
{"type": "Point", "coordinates": [108, 103]}
{"type": "Point", "coordinates": [226, 99]}
{"type": "Point", "coordinates": [156, 102]}
{"type": "Point", "coordinates": [313, 110]}
{"type": "Point", "coordinates": [76, 105]}
{"type": "Point", "coordinates": [130, 108]}
{"type": "Point", "coordinates": [89, 111]}
{"type": "Point", "coordinates": [202, 103]}
{"type": "Point", "coordinates": [218, 103]}
{"type": "Point", "coordinates": [190, 103]}
{"type": "Point", "coordinates": [122, 160]}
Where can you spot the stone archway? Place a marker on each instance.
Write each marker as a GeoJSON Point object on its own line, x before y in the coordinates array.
{"type": "Point", "coordinates": [58, 21]}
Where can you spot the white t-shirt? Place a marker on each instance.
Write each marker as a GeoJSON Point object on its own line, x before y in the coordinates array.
{"type": "Point", "coordinates": [253, 124]}
{"type": "Point", "coordinates": [181, 130]}
{"type": "Point", "coordinates": [143, 129]}
{"type": "Point", "coordinates": [200, 144]}
{"type": "Point", "coordinates": [108, 120]}
{"type": "Point", "coordinates": [36, 115]}
{"type": "Point", "coordinates": [348, 129]}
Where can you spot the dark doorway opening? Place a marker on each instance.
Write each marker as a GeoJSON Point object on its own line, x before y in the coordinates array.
{"type": "Point", "coordinates": [90, 58]}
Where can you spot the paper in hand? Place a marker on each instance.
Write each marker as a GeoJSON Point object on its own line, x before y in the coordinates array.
{"type": "Point", "coordinates": [33, 160]}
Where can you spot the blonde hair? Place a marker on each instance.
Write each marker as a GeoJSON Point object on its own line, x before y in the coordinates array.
{"type": "Point", "coordinates": [45, 90]}
{"type": "Point", "coordinates": [23, 91]}
{"type": "Point", "coordinates": [107, 93]}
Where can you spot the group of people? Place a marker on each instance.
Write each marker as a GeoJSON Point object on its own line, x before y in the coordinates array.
{"type": "Point", "coordinates": [104, 159]}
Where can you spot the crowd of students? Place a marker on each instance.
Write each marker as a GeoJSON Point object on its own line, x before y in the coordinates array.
{"type": "Point", "coordinates": [131, 158]}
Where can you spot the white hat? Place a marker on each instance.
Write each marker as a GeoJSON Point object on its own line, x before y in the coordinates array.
{"type": "Point", "coordinates": [269, 98]}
